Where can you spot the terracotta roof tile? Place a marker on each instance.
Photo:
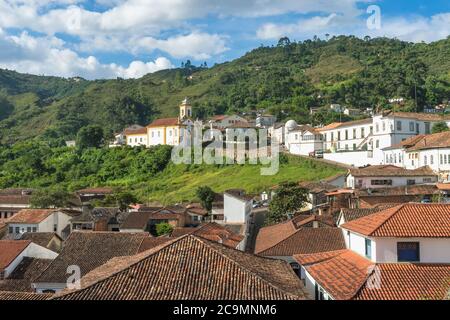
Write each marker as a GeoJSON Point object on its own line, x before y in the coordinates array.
{"type": "Point", "coordinates": [40, 238]}
{"type": "Point", "coordinates": [153, 242]}
{"type": "Point", "coordinates": [432, 141]}
{"type": "Point", "coordinates": [418, 189]}
{"type": "Point", "coordinates": [305, 241]}
{"type": "Point", "coordinates": [218, 233]}
{"type": "Point", "coordinates": [164, 122]}
{"type": "Point", "coordinates": [341, 273]}
{"type": "Point", "coordinates": [15, 199]}
{"type": "Point", "coordinates": [408, 281]}
{"type": "Point", "coordinates": [269, 236]}
{"type": "Point", "coordinates": [23, 275]}
{"type": "Point", "coordinates": [140, 219]}
{"type": "Point", "coordinates": [390, 171]}
{"type": "Point", "coordinates": [90, 250]}
{"type": "Point", "coordinates": [14, 296]}
{"type": "Point", "coordinates": [9, 250]}
{"type": "Point", "coordinates": [353, 214]}
{"type": "Point", "coordinates": [31, 216]}
{"type": "Point", "coordinates": [418, 116]}
{"type": "Point", "coordinates": [190, 268]}
{"type": "Point", "coordinates": [407, 220]}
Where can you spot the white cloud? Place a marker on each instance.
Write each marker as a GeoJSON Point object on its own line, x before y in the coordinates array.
{"type": "Point", "coordinates": [47, 56]}
{"type": "Point", "coordinates": [302, 27]}
{"type": "Point", "coordinates": [416, 29]}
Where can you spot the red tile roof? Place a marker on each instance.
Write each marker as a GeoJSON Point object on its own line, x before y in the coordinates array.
{"type": "Point", "coordinates": [304, 241]}
{"type": "Point", "coordinates": [341, 273]}
{"type": "Point", "coordinates": [336, 125]}
{"type": "Point", "coordinates": [189, 268]}
{"type": "Point", "coordinates": [10, 250]}
{"type": "Point", "coordinates": [89, 250]}
{"type": "Point", "coordinates": [15, 199]}
{"type": "Point", "coordinates": [135, 130]}
{"type": "Point", "coordinates": [391, 171]}
{"type": "Point", "coordinates": [31, 216]}
{"type": "Point", "coordinates": [443, 186]}
{"type": "Point", "coordinates": [15, 296]}
{"type": "Point", "coordinates": [166, 122]}
{"type": "Point", "coordinates": [345, 274]}
{"type": "Point", "coordinates": [418, 116]}
{"type": "Point", "coordinates": [408, 281]}
{"type": "Point", "coordinates": [406, 220]}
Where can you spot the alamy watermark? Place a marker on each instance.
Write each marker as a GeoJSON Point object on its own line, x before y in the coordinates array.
{"type": "Point", "coordinates": [240, 146]}
{"type": "Point", "coordinates": [374, 20]}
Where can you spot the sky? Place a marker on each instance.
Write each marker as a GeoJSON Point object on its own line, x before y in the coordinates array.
{"type": "Point", "coordinates": [97, 39]}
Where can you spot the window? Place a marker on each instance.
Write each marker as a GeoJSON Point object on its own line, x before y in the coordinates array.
{"type": "Point", "coordinates": [384, 126]}
{"type": "Point", "coordinates": [377, 144]}
{"type": "Point", "coordinates": [408, 252]}
{"type": "Point", "coordinates": [354, 133]}
{"type": "Point", "coordinates": [346, 134]}
{"type": "Point", "coordinates": [11, 230]}
{"type": "Point", "coordinates": [411, 126]}
{"type": "Point", "coordinates": [34, 229]}
{"type": "Point", "coordinates": [399, 125]}
{"type": "Point", "coordinates": [425, 160]}
{"type": "Point", "coordinates": [362, 133]}
{"type": "Point", "coordinates": [411, 182]}
{"type": "Point", "coordinates": [170, 133]}
{"type": "Point", "coordinates": [381, 182]}
{"type": "Point", "coordinates": [2, 275]}
{"type": "Point", "coordinates": [140, 139]}
{"type": "Point", "coordinates": [339, 136]}
{"type": "Point", "coordinates": [332, 136]}
{"type": "Point", "coordinates": [55, 227]}
{"type": "Point", "coordinates": [417, 128]}
{"type": "Point", "coordinates": [354, 146]}
{"type": "Point", "coordinates": [431, 159]}
{"type": "Point", "coordinates": [28, 229]}
{"type": "Point", "coordinates": [377, 128]}
{"type": "Point", "coordinates": [442, 159]}
{"type": "Point", "coordinates": [427, 128]}
{"type": "Point", "coordinates": [131, 140]}
{"type": "Point", "coordinates": [153, 134]}
{"type": "Point", "coordinates": [17, 230]}
{"type": "Point", "coordinates": [368, 248]}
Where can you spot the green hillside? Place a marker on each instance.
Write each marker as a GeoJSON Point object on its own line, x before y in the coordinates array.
{"type": "Point", "coordinates": [286, 80]}
{"type": "Point", "coordinates": [147, 173]}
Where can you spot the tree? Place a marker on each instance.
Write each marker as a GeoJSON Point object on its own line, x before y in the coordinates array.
{"type": "Point", "coordinates": [163, 229]}
{"type": "Point", "coordinates": [50, 198]}
{"type": "Point", "coordinates": [289, 197]}
{"type": "Point", "coordinates": [440, 127]}
{"type": "Point", "coordinates": [206, 196]}
{"type": "Point", "coordinates": [121, 199]}
{"type": "Point", "coordinates": [90, 136]}
{"type": "Point", "coordinates": [284, 42]}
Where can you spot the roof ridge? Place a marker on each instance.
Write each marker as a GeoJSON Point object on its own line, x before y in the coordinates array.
{"type": "Point", "coordinates": [245, 268]}
{"type": "Point", "coordinates": [395, 210]}
{"type": "Point", "coordinates": [294, 229]}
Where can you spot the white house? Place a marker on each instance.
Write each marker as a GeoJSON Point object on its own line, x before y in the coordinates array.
{"type": "Point", "coordinates": [304, 140]}
{"type": "Point", "coordinates": [12, 253]}
{"type": "Point", "coordinates": [12, 201]}
{"type": "Point", "coordinates": [134, 136]}
{"type": "Point", "coordinates": [276, 132]}
{"type": "Point", "coordinates": [237, 207]}
{"type": "Point", "coordinates": [41, 220]}
{"type": "Point", "coordinates": [372, 177]}
{"type": "Point", "coordinates": [225, 121]}
{"type": "Point", "coordinates": [423, 150]}
{"type": "Point", "coordinates": [362, 142]}
{"type": "Point", "coordinates": [265, 120]}
{"type": "Point", "coordinates": [400, 242]}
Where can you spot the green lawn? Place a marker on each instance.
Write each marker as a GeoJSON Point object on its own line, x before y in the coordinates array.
{"type": "Point", "coordinates": [179, 182]}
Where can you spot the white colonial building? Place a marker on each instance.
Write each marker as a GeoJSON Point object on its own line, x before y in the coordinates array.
{"type": "Point", "coordinates": [382, 176]}
{"type": "Point", "coordinates": [408, 241]}
{"type": "Point", "coordinates": [303, 140]}
{"type": "Point", "coordinates": [423, 150]}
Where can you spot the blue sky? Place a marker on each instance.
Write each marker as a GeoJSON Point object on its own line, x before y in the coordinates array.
{"type": "Point", "coordinates": [129, 38]}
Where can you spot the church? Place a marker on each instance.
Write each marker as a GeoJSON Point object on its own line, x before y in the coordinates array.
{"type": "Point", "coordinates": [166, 131]}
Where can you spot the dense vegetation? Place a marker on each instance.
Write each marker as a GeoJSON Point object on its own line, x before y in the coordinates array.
{"type": "Point", "coordinates": [147, 174]}
{"type": "Point", "coordinates": [286, 80]}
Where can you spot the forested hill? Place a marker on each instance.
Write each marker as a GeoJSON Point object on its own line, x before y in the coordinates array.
{"type": "Point", "coordinates": [286, 80]}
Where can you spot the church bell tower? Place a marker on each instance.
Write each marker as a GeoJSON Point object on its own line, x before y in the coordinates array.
{"type": "Point", "coordinates": [185, 109]}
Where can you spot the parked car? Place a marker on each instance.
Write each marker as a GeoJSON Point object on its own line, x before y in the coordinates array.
{"type": "Point", "coordinates": [316, 154]}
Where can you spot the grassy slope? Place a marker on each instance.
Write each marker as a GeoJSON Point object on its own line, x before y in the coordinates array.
{"type": "Point", "coordinates": [179, 182]}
